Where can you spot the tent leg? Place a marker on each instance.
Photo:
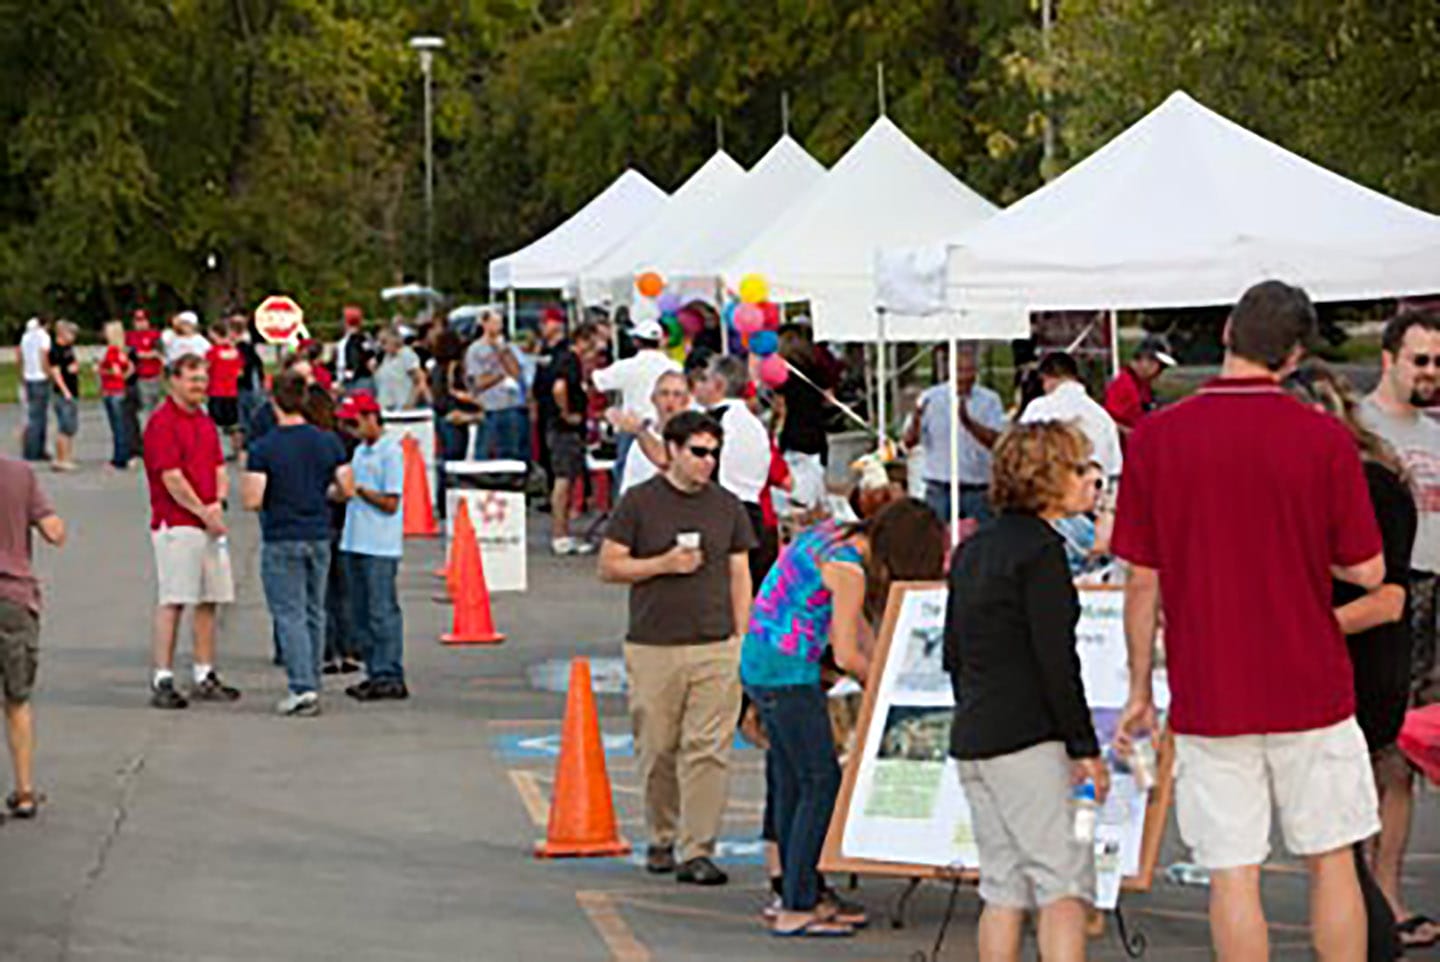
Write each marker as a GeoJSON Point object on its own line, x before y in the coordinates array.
{"type": "Point", "coordinates": [510, 313]}
{"type": "Point", "coordinates": [954, 444]}
{"type": "Point", "coordinates": [882, 389]}
{"type": "Point", "coordinates": [1114, 321]}
{"type": "Point", "coordinates": [720, 312]}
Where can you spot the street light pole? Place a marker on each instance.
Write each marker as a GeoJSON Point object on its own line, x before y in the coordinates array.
{"type": "Point", "coordinates": [426, 47]}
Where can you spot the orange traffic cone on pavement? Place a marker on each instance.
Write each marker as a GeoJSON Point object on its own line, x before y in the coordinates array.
{"type": "Point", "coordinates": [415, 500]}
{"type": "Point", "coordinates": [582, 812]}
{"type": "Point", "coordinates": [473, 624]}
{"type": "Point", "coordinates": [450, 572]}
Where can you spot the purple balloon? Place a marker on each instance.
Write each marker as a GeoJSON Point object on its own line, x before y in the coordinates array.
{"type": "Point", "coordinates": [669, 302]}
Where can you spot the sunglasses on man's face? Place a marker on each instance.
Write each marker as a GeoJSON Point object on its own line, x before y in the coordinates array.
{"type": "Point", "coordinates": [701, 451]}
{"type": "Point", "coordinates": [1426, 360]}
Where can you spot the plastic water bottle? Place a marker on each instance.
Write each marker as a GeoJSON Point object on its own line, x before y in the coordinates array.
{"type": "Point", "coordinates": [1087, 812]}
{"type": "Point", "coordinates": [1142, 763]}
{"type": "Point", "coordinates": [1184, 873]}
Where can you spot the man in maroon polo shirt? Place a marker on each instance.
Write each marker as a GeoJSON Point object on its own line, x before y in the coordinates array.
{"type": "Point", "coordinates": [1237, 507]}
{"type": "Point", "coordinates": [185, 468]}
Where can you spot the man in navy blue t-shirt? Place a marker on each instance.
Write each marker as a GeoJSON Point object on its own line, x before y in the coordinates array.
{"type": "Point", "coordinates": [291, 475]}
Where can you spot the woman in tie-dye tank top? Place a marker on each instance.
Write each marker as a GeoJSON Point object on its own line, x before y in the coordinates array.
{"type": "Point", "coordinates": [814, 599]}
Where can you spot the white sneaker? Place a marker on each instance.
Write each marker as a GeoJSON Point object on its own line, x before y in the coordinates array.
{"type": "Point", "coordinates": [562, 546]}
{"type": "Point", "coordinates": [304, 704]}
{"type": "Point", "coordinates": [578, 546]}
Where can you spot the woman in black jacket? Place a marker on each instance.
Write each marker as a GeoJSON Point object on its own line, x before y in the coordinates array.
{"type": "Point", "coordinates": [1022, 733]}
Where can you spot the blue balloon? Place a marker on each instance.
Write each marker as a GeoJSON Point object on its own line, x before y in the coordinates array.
{"type": "Point", "coordinates": [764, 343]}
{"type": "Point", "coordinates": [728, 312]}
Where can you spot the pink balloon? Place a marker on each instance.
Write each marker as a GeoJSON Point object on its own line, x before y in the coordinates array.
{"type": "Point", "coordinates": [773, 371]}
{"type": "Point", "coordinates": [691, 322]}
{"type": "Point", "coordinates": [749, 318]}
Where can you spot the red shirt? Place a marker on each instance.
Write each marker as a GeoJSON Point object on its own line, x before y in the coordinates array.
{"type": "Point", "coordinates": [188, 440]}
{"type": "Point", "coordinates": [226, 365]}
{"type": "Point", "coordinates": [323, 377]}
{"type": "Point", "coordinates": [148, 340]}
{"type": "Point", "coordinates": [113, 371]}
{"type": "Point", "coordinates": [1128, 398]}
{"type": "Point", "coordinates": [1243, 498]}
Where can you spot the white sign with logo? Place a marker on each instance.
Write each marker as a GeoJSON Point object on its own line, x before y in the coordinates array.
{"type": "Point", "coordinates": [499, 521]}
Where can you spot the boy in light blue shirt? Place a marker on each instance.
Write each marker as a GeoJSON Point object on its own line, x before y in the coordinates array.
{"type": "Point", "coordinates": [370, 549]}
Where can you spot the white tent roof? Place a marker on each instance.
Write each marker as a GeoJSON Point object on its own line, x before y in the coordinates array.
{"type": "Point", "coordinates": [741, 214]}
{"type": "Point", "coordinates": [554, 261]}
{"type": "Point", "coordinates": [1188, 208]}
{"type": "Point", "coordinates": [691, 210]}
{"type": "Point", "coordinates": [885, 191]}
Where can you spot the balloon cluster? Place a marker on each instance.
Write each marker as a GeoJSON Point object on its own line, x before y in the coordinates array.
{"type": "Point", "coordinates": [757, 322]}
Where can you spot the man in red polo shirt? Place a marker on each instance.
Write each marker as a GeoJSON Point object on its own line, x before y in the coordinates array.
{"type": "Point", "coordinates": [185, 468]}
{"type": "Point", "coordinates": [1130, 396]}
{"type": "Point", "coordinates": [1237, 507]}
{"type": "Point", "coordinates": [144, 344]}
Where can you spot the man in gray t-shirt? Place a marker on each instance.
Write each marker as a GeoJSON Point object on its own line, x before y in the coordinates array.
{"type": "Point", "coordinates": [492, 370]}
{"type": "Point", "coordinates": [1409, 381]}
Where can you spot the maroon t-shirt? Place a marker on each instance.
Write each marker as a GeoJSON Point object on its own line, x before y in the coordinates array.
{"type": "Point", "coordinates": [22, 504]}
{"type": "Point", "coordinates": [176, 438]}
{"type": "Point", "coordinates": [1243, 498]}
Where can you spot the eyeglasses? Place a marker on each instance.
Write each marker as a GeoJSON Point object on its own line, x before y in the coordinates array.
{"type": "Point", "coordinates": [700, 451]}
{"type": "Point", "coordinates": [1426, 360]}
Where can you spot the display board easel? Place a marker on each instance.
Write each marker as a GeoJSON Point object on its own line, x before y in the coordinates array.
{"type": "Point", "coordinates": [834, 859]}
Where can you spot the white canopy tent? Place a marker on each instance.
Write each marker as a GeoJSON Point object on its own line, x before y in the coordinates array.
{"type": "Point", "coordinates": [555, 260]}
{"type": "Point", "coordinates": [691, 210]}
{"type": "Point", "coordinates": [750, 206]}
{"type": "Point", "coordinates": [1185, 208]}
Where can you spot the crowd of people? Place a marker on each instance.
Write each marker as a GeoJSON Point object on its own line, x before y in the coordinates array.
{"type": "Point", "coordinates": [1278, 525]}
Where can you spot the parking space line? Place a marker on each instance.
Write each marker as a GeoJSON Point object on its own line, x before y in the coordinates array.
{"type": "Point", "coordinates": [530, 796]}
{"type": "Point", "coordinates": [611, 926]}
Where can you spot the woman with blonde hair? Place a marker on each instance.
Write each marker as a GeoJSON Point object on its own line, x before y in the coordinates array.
{"type": "Point", "coordinates": [1022, 734]}
{"type": "Point", "coordinates": [114, 371]}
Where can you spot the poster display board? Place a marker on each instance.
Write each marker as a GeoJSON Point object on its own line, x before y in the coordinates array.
{"type": "Point", "coordinates": [499, 521]}
{"type": "Point", "coordinates": [901, 809]}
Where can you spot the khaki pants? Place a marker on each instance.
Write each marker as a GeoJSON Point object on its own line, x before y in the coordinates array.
{"type": "Point", "coordinates": [684, 703]}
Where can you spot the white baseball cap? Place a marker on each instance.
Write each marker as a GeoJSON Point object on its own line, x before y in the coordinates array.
{"type": "Point", "coordinates": [648, 330]}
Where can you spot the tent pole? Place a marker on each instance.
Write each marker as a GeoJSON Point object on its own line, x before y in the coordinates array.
{"type": "Point", "coordinates": [954, 444]}
{"type": "Point", "coordinates": [1114, 343]}
{"type": "Point", "coordinates": [881, 387]}
{"type": "Point", "coordinates": [720, 312]}
{"type": "Point", "coordinates": [510, 312]}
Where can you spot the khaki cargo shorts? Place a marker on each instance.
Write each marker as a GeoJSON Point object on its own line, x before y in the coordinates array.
{"type": "Point", "coordinates": [19, 651]}
{"type": "Point", "coordinates": [192, 568]}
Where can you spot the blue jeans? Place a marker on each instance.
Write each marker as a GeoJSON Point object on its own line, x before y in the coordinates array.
{"type": "Point", "coordinates": [450, 442]}
{"type": "Point", "coordinates": [505, 435]}
{"type": "Point", "coordinates": [375, 614]}
{"type": "Point", "coordinates": [119, 430]}
{"type": "Point", "coordinates": [339, 631]}
{"type": "Point", "coordinates": [37, 416]}
{"type": "Point", "coordinates": [294, 574]}
{"type": "Point", "coordinates": [624, 442]}
{"type": "Point", "coordinates": [67, 415]}
{"type": "Point", "coordinates": [247, 401]}
{"type": "Point", "coordinates": [974, 501]}
{"type": "Point", "coordinates": [806, 778]}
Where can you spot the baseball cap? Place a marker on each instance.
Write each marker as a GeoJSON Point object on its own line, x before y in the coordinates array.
{"type": "Point", "coordinates": [353, 314]}
{"type": "Point", "coordinates": [352, 406]}
{"type": "Point", "coordinates": [1157, 348]}
{"type": "Point", "coordinates": [188, 317]}
{"type": "Point", "coordinates": [647, 330]}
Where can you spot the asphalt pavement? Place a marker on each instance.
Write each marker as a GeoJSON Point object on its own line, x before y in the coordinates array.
{"type": "Point", "coordinates": [396, 832]}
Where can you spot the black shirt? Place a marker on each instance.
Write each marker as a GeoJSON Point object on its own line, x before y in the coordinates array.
{"type": "Point", "coordinates": [804, 429]}
{"type": "Point", "coordinates": [252, 376]}
{"type": "Point", "coordinates": [1380, 656]}
{"type": "Point", "coordinates": [1010, 643]}
{"type": "Point", "coordinates": [62, 359]}
{"type": "Point", "coordinates": [542, 387]}
{"type": "Point", "coordinates": [565, 366]}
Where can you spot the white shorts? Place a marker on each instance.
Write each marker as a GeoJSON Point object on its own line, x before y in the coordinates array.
{"type": "Point", "coordinates": [1320, 782]}
{"type": "Point", "coordinates": [192, 568]}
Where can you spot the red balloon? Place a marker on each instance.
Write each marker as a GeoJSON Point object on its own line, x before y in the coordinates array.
{"type": "Point", "coordinates": [773, 371]}
{"type": "Point", "coordinates": [749, 318]}
{"type": "Point", "coordinates": [771, 311]}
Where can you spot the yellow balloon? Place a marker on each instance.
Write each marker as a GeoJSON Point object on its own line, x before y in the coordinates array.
{"type": "Point", "coordinates": [754, 289]}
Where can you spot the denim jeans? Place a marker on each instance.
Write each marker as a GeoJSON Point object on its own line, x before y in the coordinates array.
{"type": "Point", "coordinates": [974, 501]}
{"type": "Point", "coordinates": [37, 416]}
{"type": "Point", "coordinates": [152, 392]}
{"type": "Point", "coordinates": [450, 444]}
{"type": "Point", "coordinates": [375, 614]}
{"type": "Point", "coordinates": [67, 415]}
{"type": "Point", "coordinates": [340, 641]}
{"type": "Point", "coordinates": [131, 418]}
{"type": "Point", "coordinates": [119, 431]}
{"type": "Point", "coordinates": [294, 574]}
{"type": "Point", "coordinates": [505, 435]}
{"type": "Point", "coordinates": [806, 780]}
{"type": "Point", "coordinates": [624, 442]}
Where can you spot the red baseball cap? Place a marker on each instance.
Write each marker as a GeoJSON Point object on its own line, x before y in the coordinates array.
{"type": "Point", "coordinates": [354, 405]}
{"type": "Point", "coordinates": [353, 315]}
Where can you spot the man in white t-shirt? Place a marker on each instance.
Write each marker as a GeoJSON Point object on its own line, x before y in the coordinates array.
{"type": "Point", "coordinates": [670, 397]}
{"type": "Point", "coordinates": [633, 378]}
{"type": "Point", "coordinates": [35, 367]}
{"type": "Point", "coordinates": [745, 454]}
{"type": "Point", "coordinates": [186, 338]}
{"type": "Point", "coordinates": [1065, 399]}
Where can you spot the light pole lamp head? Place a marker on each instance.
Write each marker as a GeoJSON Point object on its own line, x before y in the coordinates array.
{"type": "Point", "coordinates": [426, 47]}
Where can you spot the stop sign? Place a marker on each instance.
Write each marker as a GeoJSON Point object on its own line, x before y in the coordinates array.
{"type": "Point", "coordinates": [280, 320]}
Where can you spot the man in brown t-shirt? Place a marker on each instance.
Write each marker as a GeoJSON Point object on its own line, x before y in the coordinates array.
{"type": "Point", "coordinates": [681, 542]}
{"type": "Point", "coordinates": [22, 506]}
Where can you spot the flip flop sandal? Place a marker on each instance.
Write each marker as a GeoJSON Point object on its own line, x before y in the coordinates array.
{"type": "Point", "coordinates": [1412, 925]}
{"type": "Point", "coordinates": [816, 928]}
{"type": "Point", "coordinates": [24, 804]}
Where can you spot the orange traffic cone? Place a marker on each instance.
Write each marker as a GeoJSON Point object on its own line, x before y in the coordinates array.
{"type": "Point", "coordinates": [473, 623]}
{"type": "Point", "coordinates": [582, 813]}
{"type": "Point", "coordinates": [419, 515]}
{"type": "Point", "coordinates": [463, 529]}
